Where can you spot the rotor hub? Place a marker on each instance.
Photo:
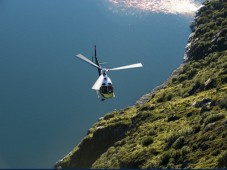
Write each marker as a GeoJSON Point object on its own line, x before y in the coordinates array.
{"type": "Point", "coordinates": [104, 72]}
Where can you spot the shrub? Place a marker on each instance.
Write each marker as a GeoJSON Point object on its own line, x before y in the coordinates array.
{"type": "Point", "coordinates": [196, 65]}
{"type": "Point", "coordinates": [213, 118]}
{"type": "Point", "coordinates": [195, 87]}
{"type": "Point", "coordinates": [152, 132]}
{"type": "Point", "coordinates": [147, 141]}
{"type": "Point", "coordinates": [108, 116]}
{"type": "Point", "coordinates": [146, 107]}
{"type": "Point", "coordinates": [224, 79]}
{"type": "Point", "coordinates": [170, 140]}
{"type": "Point", "coordinates": [195, 129]}
{"type": "Point", "coordinates": [173, 118]}
{"type": "Point", "coordinates": [164, 159]}
{"type": "Point", "coordinates": [162, 98]}
{"type": "Point", "coordinates": [192, 73]}
{"type": "Point", "coordinates": [223, 103]}
{"type": "Point", "coordinates": [222, 160]}
{"type": "Point", "coordinates": [185, 150]}
{"type": "Point", "coordinates": [174, 79]}
{"type": "Point", "coordinates": [169, 97]}
{"type": "Point", "coordinates": [182, 77]}
{"type": "Point", "coordinates": [179, 142]}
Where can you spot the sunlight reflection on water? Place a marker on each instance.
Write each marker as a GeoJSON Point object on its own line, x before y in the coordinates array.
{"type": "Point", "coordinates": [183, 7]}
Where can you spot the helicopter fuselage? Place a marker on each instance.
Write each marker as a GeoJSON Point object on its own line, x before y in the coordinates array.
{"type": "Point", "coordinates": [106, 89]}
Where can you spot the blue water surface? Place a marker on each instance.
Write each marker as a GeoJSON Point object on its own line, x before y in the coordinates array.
{"type": "Point", "coordinates": [46, 101]}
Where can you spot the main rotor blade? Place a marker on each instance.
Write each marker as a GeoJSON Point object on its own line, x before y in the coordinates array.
{"type": "Point", "coordinates": [128, 66]}
{"type": "Point", "coordinates": [87, 60]}
{"type": "Point", "coordinates": [98, 83]}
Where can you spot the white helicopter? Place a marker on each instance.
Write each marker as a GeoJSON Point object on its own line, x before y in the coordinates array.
{"type": "Point", "coordinates": [103, 85]}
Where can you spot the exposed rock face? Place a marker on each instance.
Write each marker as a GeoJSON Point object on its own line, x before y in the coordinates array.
{"type": "Point", "coordinates": [180, 124]}
{"type": "Point", "coordinates": [91, 148]}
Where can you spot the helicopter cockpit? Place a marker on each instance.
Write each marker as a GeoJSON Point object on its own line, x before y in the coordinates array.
{"type": "Point", "coordinates": [106, 89]}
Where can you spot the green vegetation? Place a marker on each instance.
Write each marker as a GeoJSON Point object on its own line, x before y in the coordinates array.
{"type": "Point", "coordinates": [213, 118]}
{"type": "Point", "coordinates": [222, 160]}
{"type": "Point", "coordinates": [183, 124]}
{"type": "Point", "coordinates": [211, 25]}
{"type": "Point", "coordinates": [147, 141]}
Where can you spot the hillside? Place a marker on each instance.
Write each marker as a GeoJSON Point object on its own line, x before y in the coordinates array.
{"type": "Point", "coordinates": [181, 124]}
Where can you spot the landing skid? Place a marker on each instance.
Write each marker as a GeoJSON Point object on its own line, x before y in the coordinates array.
{"type": "Point", "coordinates": [102, 99]}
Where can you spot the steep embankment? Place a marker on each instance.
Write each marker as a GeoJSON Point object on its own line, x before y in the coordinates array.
{"type": "Point", "coordinates": [181, 124]}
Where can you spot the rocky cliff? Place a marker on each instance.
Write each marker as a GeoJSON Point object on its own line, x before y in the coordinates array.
{"type": "Point", "coordinates": [181, 124]}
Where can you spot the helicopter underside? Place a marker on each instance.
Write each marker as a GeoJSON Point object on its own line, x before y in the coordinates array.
{"type": "Point", "coordinates": [107, 96]}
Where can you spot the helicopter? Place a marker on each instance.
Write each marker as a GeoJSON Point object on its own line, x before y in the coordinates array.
{"type": "Point", "coordinates": [103, 85]}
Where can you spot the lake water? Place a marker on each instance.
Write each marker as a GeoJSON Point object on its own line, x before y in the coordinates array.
{"type": "Point", "coordinates": [46, 101]}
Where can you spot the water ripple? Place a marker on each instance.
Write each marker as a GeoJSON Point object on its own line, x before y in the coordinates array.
{"type": "Point", "coordinates": [182, 7]}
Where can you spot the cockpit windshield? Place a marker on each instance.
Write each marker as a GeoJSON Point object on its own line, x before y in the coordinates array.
{"type": "Point", "coordinates": [106, 89]}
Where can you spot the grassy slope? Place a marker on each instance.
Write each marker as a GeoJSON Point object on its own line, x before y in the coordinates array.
{"type": "Point", "coordinates": [183, 124]}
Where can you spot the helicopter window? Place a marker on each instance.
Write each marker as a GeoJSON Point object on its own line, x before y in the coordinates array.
{"type": "Point", "coordinates": [110, 89]}
{"type": "Point", "coordinates": [104, 89]}
{"type": "Point", "coordinates": [103, 84]}
{"type": "Point", "coordinates": [109, 83]}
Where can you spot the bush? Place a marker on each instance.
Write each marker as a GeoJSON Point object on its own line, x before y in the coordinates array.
{"type": "Point", "coordinates": [164, 159]}
{"type": "Point", "coordinates": [174, 79]}
{"type": "Point", "coordinates": [179, 142]}
{"type": "Point", "coordinates": [213, 118]}
{"type": "Point", "coordinates": [167, 96]}
{"type": "Point", "coordinates": [170, 140]}
{"type": "Point", "coordinates": [147, 141]}
{"type": "Point", "coordinates": [191, 73]}
{"type": "Point", "coordinates": [108, 116]}
{"type": "Point", "coordinates": [161, 99]}
{"type": "Point", "coordinates": [182, 77]}
{"type": "Point", "coordinates": [222, 160]}
{"type": "Point", "coordinates": [223, 103]}
{"type": "Point", "coordinates": [195, 129]}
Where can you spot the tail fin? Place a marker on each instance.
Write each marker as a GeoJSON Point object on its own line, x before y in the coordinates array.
{"type": "Point", "coordinates": [96, 61]}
